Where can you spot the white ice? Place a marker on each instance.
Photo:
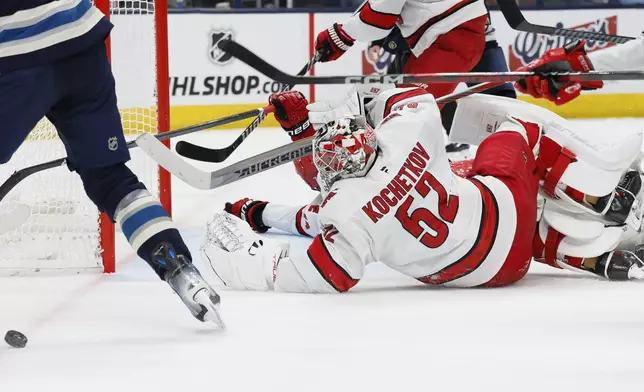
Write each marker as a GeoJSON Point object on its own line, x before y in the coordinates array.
{"type": "Point", "coordinates": [553, 331]}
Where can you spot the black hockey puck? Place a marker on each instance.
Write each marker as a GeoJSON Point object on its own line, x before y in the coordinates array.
{"type": "Point", "coordinates": [15, 339]}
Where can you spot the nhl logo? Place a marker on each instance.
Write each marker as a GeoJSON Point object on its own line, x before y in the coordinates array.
{"type": "Point", "coordinates": [113, 143]}
{"type": "Point", "coordinates": [215, 54]}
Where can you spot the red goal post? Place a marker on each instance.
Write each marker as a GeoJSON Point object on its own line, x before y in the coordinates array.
{"type": "Point", "coordinates": [159, 8]}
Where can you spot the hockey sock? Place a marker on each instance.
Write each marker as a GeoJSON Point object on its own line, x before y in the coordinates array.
{"type": "Point", "coordinates": [146, 224]}
{"type": "Point", "coordinates": [117, 191]}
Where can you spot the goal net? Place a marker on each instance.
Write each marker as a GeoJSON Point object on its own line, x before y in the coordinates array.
{"type": "Point", "coordinates": [63, 230]}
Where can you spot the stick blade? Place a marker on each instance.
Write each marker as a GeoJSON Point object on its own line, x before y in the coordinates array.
{"type": "Point", "coordinates": [511, 13]}
{"type": "Point", "coordinates": [173, 163]}
{"type": "Point", "coordinates": [203, 154]}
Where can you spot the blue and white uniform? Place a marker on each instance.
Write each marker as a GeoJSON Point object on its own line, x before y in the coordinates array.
{"type": "Point", "coordinates": [36, 32]}
{"type": "Point", "coordinates": [54, 64]}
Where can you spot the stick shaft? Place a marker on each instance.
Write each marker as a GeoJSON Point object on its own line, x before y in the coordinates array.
{"type": "Point", "coordinates": [20, 175]}
{"type": "Point", "coordinates": [216, 155]}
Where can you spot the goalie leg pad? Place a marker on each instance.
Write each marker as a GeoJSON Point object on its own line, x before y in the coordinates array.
{"type": "Point", "coordinates": [567, 157]}
{"type": "Point", "coordinates": [507, 157]}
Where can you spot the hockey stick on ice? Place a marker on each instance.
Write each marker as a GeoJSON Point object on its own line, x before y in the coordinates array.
{"type": "Point", "coordinates": [276, 157]}
{"type": "Point", "coordinates": [267, 69]}
{"type": "Point", "coordinates": [513, 15]}
{"type": "Point", "coordinates": [216, 155]}
{"type": "Point", "coordinates": [21, 174]}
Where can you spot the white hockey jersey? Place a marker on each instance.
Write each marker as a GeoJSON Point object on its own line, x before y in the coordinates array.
{"type": "Point", "coordinates": [410, 212]}
{"type": "Point", "coordinates": [623, 57]}
{"type": "Point", "coordinates": [420, 21]}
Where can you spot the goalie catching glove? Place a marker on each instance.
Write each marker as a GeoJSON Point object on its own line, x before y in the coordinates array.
{"type": "Point", "coordinates": [571, 58]}
{"type": "Point", "coordinates": [238, 256]}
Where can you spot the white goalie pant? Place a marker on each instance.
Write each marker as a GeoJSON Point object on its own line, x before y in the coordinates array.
{"type": "Point", "coordinates": [572, 165]}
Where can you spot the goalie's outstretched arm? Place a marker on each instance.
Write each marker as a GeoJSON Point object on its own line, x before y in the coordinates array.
{"type": "Point", "coordinates": [262, 215]}
{"type": "Point", "coordinates": [242, 259]}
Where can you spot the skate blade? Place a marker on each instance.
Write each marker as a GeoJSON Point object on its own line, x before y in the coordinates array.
{"type": "Point", "coordinates": [203, 298]}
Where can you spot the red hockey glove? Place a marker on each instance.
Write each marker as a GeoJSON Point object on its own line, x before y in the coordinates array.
{"type": "Point", "coordinates": [292, 114]}
{"type": "Point", "coordinates": [572, 57]}
{"type": "Point", "coordinates": [249, 210]}
{"type": "Point", "coordinates": [332, 43]}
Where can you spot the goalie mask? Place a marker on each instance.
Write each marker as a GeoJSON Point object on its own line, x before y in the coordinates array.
{"type": "Point", "coordinates": [343, 148]}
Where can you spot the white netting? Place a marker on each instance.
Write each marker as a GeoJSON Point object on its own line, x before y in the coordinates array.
{"type": "Point", "coordinates": [62, 231]}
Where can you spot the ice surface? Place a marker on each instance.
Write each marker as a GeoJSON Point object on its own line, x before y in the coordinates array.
{"type": "Point", "coordinates": [553, 331]}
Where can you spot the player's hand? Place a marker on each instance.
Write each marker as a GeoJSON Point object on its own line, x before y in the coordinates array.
{"type": "Point", "coordinates": [250, 211]}
{"type": "Point", "coordinates": [332, 43]}
{"type": "Point", "coordinates": [572, 58]}
{"type": "Point", "coordinates": [292, 114]}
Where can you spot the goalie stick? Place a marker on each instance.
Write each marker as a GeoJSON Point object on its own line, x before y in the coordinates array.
{"type": "Point", "coordinates": [513, 15]}
{"type": "Point", "coordinates": [21, 174]}
{"type": "Point", "coordinates": [267, 69]}
{"type": "Point", "coordinates": [250, 166]}
{"type": "Point", "coordinates": [217, 155]}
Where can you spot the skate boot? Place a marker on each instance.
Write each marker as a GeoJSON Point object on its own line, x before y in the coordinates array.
{"type": "Point", "coordinates": [184, 278]}
{"type": "Point", "coordinates": [617, 206]}
{"type": "Point", "coordinates": [621, 264]}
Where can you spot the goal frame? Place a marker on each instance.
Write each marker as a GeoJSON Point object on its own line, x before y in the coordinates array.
{"type": "Point", "coordinates": [106, 227]}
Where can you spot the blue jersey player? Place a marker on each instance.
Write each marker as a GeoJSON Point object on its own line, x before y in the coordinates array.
{"type": "Point", "coordinates": [53, 63]}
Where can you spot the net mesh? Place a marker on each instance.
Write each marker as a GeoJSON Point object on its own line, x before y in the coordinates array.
{"type": "Point", "coordinates": [62, 231]}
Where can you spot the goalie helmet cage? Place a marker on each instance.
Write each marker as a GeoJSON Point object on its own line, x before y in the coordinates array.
{"type": "Point", "coordinates": [65, 231]}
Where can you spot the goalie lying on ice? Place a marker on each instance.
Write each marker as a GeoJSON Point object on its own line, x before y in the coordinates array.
{"type": "Point", "coordinates": [389, 195]}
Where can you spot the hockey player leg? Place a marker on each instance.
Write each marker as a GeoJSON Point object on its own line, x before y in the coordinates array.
{"type": "Point", "coordinates": [145, 223]}
{"type": "Point", "coordinates": [89, 124]}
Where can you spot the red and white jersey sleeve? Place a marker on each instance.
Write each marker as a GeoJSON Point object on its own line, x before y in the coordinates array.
{"type": "Point", "coordinates": [623, 57]}
{"type": "Point", "coordinates": [334, 262]}
{"type": "Point", "coordinates": [294, 220]}
{"type": "Point", "coordinates": [420, 21]}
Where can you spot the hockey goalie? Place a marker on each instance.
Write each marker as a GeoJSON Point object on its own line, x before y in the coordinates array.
{"type": "Point", "coordinates": [388, 195]}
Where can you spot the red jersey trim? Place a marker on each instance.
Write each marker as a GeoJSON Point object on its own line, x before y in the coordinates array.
{"type": "Point", "coordinates": [377, 19]}
{"type": "Point", "coordinates": [298, 222]}
{"type": "Point", "coordinates": [482, 246]}
{"type": "Point", "coordinates": [413, 39]}
{"type": "Point", "coordinates": [394, 99]}
{"type": "Point", "coordinates": [331, 271]}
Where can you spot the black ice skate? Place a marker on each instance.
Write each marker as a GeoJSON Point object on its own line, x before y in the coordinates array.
{"type": "Point", "coordinates": [184, 278]}
{"type": "Point", "coordinates": [621, 264]}
{"type": "Point", "coordinates": [622, 199]}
